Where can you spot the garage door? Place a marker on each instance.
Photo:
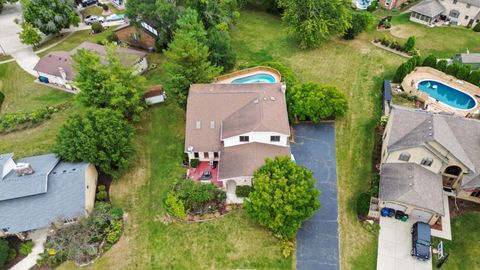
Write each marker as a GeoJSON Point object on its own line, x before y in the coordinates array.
{"type": "Point", "coordinates": [421, 215]}
{"type": "Point", "coordinates": [396, 206]}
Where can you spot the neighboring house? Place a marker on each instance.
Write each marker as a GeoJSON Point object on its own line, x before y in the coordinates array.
{"type": "Point", "coordinates": [38, 191]}
{"type": "Point", "coordinates": [423, 153]}
{"type": "Point", "coordinates": [238, 126]}
{"type": "Point", "coordinates": [144, 36]}
{"type": "Point", "coordinates": [472, 59]}
{"type": "Point", "coordinates": [458, 12]}
{"type": "Point", "coordinates": [58, 68]}
{"type": "Point", "coordinates": [155, 94]}
{"type": "Point", "coordinates": [391, 4]}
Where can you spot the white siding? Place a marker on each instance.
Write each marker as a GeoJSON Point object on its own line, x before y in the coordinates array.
{"type": "Point", "coordinates": [155, 100]}
{"type": "Point", "coordinates": [471, 12]}
{"type": "Point", "coordinates": [260, 137]}
{"type": "Point", "coordinates": [56, 80]}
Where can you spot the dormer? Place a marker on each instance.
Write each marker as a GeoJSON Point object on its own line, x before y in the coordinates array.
{"type": "Point", "coordinates": [6, 164]}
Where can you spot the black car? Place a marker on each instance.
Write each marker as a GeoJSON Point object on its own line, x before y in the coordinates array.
{"type": "Point", "coordinates": [207, 175]}
{"type": "Point", "coordinates": [86, 3]}
{"type": "Point", "coordinates": [421, 241]}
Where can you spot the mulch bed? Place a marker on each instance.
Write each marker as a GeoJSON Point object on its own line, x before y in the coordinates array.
{"type": "Point", "coordinates": [463, 207]}
{"type": "Point", "coordinates": [13, 242]}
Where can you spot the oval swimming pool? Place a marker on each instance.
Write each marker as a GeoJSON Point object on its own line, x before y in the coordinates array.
{"type": "Point", "coordinates": [447, 94]}
{"type": "Point", "coordinates": [256, 78]}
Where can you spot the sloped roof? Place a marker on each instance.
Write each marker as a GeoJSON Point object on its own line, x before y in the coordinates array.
{"type": "Point", "coordinates": [471, 2]}
{"type": "Point", "coordinates": [244, 159]}
{"type": "Point", "coordinates": [430, 8]}
{"type": "Point", "coordinates": [65, 198]}
{"type": "Point", "coordinates": [51, 63]}
{"type": "Point", "coordinates": [13, 186]}
{"type": "Point", "coordinates": [128, 56]}
{"type": "Point", "coordinates": [233, 109]}
{"type": "Point", "coordinates": [411, 184]}
{"type": "Point", "coordinates": [459, 135]}
{"type": "Point", "coordinates": [470, 58]}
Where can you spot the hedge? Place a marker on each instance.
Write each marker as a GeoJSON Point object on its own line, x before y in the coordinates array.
{"type": "Point", "coordinates": [243, 191]}
{"type": "Point", "coordinates": [2, 98]}
{"type": "Point", "coordinates": [363, 204]}
{"type": "Point", "coordinates": [3, 252]}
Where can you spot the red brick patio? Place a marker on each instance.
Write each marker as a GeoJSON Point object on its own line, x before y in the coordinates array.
{"type": "Point", "coordinates": [196, 173]}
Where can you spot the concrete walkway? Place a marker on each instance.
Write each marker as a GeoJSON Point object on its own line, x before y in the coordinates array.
{"type": "Point", "coordinates": [317, 239]}
{"type": "Point", "coordinates": [27, 60]}
{"type": "Point", "coordinates": [38, 237]}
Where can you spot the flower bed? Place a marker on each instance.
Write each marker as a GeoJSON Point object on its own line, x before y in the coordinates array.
{"type": "Point", "coordinates": [86, 240]}
{"type": "Point", "coordinates": [395, 45]}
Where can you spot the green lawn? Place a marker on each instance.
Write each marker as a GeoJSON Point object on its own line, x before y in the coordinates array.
{"type": "Point", "coordinates": [464, 248]}
{"type": "Point", "coordinates": [92, 10]}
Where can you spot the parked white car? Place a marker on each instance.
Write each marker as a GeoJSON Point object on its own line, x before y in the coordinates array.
{"type": "Point", "coordinates": [92, 19]}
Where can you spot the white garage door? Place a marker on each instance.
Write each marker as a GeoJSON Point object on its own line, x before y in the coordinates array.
{"type": "Point", "coordinates": [396, 206]}
{"type": "Point", "coordinates": [421, 215]}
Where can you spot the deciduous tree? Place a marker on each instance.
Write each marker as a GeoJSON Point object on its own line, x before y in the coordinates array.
{"type": "Point", "coordinates": [101, 137]}
{"type": "Point", "coordinates": [283, 196]}
{"type": "Point", "coordinates": [359, 23]}
{"type": "Point", "coordinates": [50, 16]}
{"type": "Point", "coordinates": [29, 35]}
{"type": "Point", "coordinates": [221, 52]}
{"type": "Point", "coordinates": [312, 22]}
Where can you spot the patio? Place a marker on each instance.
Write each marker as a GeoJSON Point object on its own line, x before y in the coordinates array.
{"type": "Point", "coordinates": [196, 173]}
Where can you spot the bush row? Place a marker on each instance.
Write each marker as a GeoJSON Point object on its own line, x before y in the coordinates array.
{"type": "Point", "coordinates": [14, 121]}
{"type": "Point", "coordinates": [408, 47]}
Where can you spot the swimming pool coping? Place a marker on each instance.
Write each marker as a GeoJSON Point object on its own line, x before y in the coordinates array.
{"type": "Point", "coordinates": [437, 81]}
{"type": "Point", "coordinates": [228, 78]}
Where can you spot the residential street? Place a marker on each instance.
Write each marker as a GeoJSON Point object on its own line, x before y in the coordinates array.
{"type": "Point", "coordinates": [317, 240]}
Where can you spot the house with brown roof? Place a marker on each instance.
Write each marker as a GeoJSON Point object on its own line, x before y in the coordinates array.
{"type": "Point", "coordinates": [142, 36]}
{"type": "Point", "coordinates": [232, 128]}
{"type": "Point", "coordinates": [426, 155]}
{"type": "Point", "coordinates": [57, 67]}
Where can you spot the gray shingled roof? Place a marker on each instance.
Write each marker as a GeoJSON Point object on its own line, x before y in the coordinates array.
{"type": "Point", "coordinates": [65, 198]}
{"type": "Point", "coordinates": [471, 2]}
{"type": "Point", "coordinates": [459, 135]}
{"type": "Point", "coordinates": [430, 8]}
{"type": "Point", "coordinates": [411, 184]}
{"type": "Point", "coordinates": [470, 58]}
{"type": "Point", "coordinates": [13, 186]}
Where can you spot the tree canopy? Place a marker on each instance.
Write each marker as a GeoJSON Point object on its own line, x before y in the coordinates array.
{"type": "Point", "coordinates": [100, 137]}
{"type": "Point", "coordinates": [430, 61]}
{"type": "Point", "coordinates": [50, 16]}
{"type": "Point", "coordinates": [314, 102]}
{"type": "Point", "coordinates": [29, 35]}
{"type": "Point", "coordinates": [359, 23]}
{"type": "Point", "coordinates": [283, 196]}
{"type": "Point", "coordinates": [216, 13]}
{"type": "Point", "coordinates": [410, 44]}
{"type": "Point", "coordinates": [188, 58]}
{"type": "Point", "coordinates": [221, 51]}
{"type": "Point", "coordinates": [312, 22]}
{"type": "Point", "coordinates": [109, 84]}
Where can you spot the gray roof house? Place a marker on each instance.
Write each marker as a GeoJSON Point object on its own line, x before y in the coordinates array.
{"type": "Point", "coordinates": [445, 145]}
{"type": "Point", "coordinates": [472, 59]}
{"type": "Point", "coordinates": [456, 12]}
{"type": "Point", "coordinates": [36, 191]}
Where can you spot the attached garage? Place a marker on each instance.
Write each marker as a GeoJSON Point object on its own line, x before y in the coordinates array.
{"type": "Point", "coordinates": [421, 215]}
{"type": "Point", "coordinates": [396, 206]}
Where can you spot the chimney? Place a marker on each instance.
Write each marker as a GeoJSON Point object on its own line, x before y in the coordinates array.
{"type": "Point", "coordinates": [62, 73]}
{"type": "Point", "coordinates": [283, 87]}
{"type": "Point", "coordinates": [23, 169]}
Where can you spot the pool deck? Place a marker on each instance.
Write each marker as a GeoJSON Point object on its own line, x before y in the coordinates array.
{"type": "Point", "coordinates": [228, 78]}
{"type": "Point", "coordinates": [427, 73]}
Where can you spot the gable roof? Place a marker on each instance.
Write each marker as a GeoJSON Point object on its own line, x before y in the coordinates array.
{"type": "Point", "coordinates": [128, 56]}
{"type": "Point", "coordinates": [244, 159]}
{"type": "Point", "coordinates": [64, 197]}
{"type": "Point", "coordinates": [233, 109]}
{"type": "Point", "coordinates": [51, 63]}
{"type": "Point", "coordinates": [412, 184]}
{"type": "Point", "coordinates": [471, 2]}
{"type": "Point", "coordinates": [459, 135]}
{"type": "Point", "coordinates": [4, 158]}
{"type": "Point", "coordinates": [470, 58]}
{"type": "Point", "coordinates": [430, 8]}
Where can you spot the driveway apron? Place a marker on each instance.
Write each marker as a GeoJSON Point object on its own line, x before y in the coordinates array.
{"type": "Point", "coordinates": [317, 239]}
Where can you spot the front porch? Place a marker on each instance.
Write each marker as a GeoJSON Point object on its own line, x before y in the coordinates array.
{"type": "Point", "coordinates": [198, 173]}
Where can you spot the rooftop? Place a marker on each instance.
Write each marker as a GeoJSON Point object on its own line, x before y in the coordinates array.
{"type": "Point", "coordinates": [430, 8]}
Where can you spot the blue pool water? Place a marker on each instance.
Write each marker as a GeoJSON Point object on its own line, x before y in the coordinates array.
{"type": "Point", "coordinates": [363, 4]}
{"type": "Point", "coordinates": [256, 78]}
{"type": "Point", "coordinates": [446, 94]}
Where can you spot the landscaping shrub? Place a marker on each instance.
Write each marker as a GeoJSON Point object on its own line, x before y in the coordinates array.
{"type": "Point", "coordinates": [287, 74]}
{"type": "Point", "coordinates": [477, 27]}
{"type": "Point", "coordinates": [474, 77]}
{"type": "Point", "coordinates": [243, 191]}
{"type": "Point", "coordinates": [375, 185]}
{"type": "Point", "coordinates": [105, 7]}
{"type": "Point", "coordinates": [174, 206]}
{"type": "Point", "coordinates": [363, 204]}
{"type": "Point", "coordinates": [400, 74]}
{"type": "Point", "coordinates": [410, 44]}
{"type": "Point", "coordinates": [452, 69]}
{"type": "Point", "coordinates": [12, 254]}
{"type": "Point", "coordinates": [194, 163]}
{"type": "Point", "coordinates": [114, 232]}
{"type": "Point", "coordinates": [97, 27]}
{"type": "Point", "coordinates": [102, 194]}
{"type": "Point", "coordinates": [112, 37]}
{"type": "Point", "coordinates": [463, 72]}
{"type": "Point", "coordinates": [442, 65]}
{"type": "Point", "coordinates": [2, 98]}
{"type": "Point", "coordinates": [199, 198]}
{"type": "Point", "coordinates": [26, 248]}
{"type": "Point", "coordinates": [372, 6]}
{"type": "Point", "coordinates": [3, 252]}
{"type": "Point", "coordinates": [430, 61]}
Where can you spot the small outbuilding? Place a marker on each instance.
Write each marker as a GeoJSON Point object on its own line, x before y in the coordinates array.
{"type": "Point", "coordinates": [155, 94]}
{"type": "Point", "coordinates": [142, 36]}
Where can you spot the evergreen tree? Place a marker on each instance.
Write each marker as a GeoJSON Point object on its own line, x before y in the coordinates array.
{"type": "Point", "coordinates": [442, 65]}
{"type": "Point", "coordinates": [221, 51]}
{"type": "Point", "coordinates": [430, 61]}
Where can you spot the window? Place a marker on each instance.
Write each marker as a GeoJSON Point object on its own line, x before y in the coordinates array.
{"type": "Point", "coordinates": [427, 161]}
{"type": "Point", "coordinates": [466, 17]}
{"type": "Point", "coordinates": [404, 157]}
{"type": "Point", "coordinates": [244, 138]}
{"type": "Point", "coordinates": [274, 138]}
{"type": "Point", "coordinates": [205, 154]}
{"type": "Point", "coordinates": [212, 124]}
{"type": "Point", "coordinates": [198, 124]}
{"type": "Point", "coordinates": [215, 154]}
{"type": "Point", "coordinates": [196, 155]}
{"type": "Point", "coordinates": [475, 194]}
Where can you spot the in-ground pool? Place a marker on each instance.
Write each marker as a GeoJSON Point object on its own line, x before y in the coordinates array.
{"type": "Point", "coordinates": [256, 78]}
{"type": "Point", "coordinates": [363, 4]}
{"type": "Point", "coordinates": [447, 94]}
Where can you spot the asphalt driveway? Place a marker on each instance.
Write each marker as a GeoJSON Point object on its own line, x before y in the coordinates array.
{"type": "Point", "coordinates": [317, 240]}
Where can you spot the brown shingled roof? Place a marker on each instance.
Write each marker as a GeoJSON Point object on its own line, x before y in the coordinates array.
{"type": "Point", "coordinates": [244, 159]}
{"type": "Point", "coordinates": [128, 57]}
{"type": "Point", "coordinates": [239, 108]}
{"type": "Point", "coordinates": [153, 91]}
{"type": "Point", "coordinates": [51, 63]}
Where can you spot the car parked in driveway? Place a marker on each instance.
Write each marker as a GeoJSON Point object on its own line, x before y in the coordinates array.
{"type": "Point", "coordinates": [86, 3]}
{"type": "Point", "coordinates": [115, 17]}
{"type": "Point", "coordinates": [421, 241]}
{"type": "Point", "coordinates": [92, 19]}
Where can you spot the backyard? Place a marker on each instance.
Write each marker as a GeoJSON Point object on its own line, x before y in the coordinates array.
{"type": "Point", "coordinates": [356, 67]}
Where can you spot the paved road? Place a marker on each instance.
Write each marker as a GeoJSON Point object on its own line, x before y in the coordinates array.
{"type": "Point", "coordinates": [317, 240]}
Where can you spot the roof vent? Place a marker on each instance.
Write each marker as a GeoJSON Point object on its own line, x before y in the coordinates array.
{"type": "Point", "coordinates": [272, 98]}
{"type": "Point", "coordinates": [190, 149]}
{"type": "Point", "coordinates": [198, 124]}
{"type": "Point", "coordinates": [255, 101]}
{"type": "Point", "coordinates": [23, 169]}
{"type": "Point", "coordinates": [212, 124]}
{"type": "Point", "coordinates": [430, 134]}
